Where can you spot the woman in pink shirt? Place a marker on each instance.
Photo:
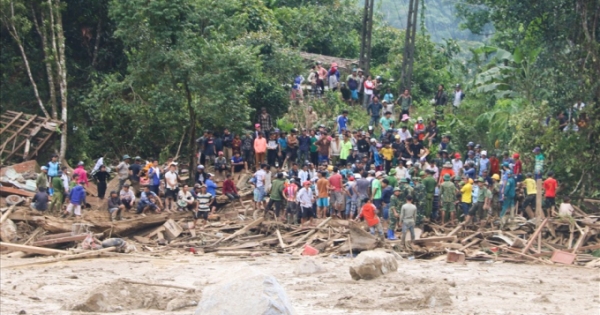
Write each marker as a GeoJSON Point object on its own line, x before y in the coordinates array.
{"type": "Point", "coordinates": [81, 172]}
{"type": "Point", "coordinates": [260, 149]}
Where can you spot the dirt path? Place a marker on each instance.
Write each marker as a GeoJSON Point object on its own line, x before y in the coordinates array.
{"type": "Point", "coordinates": [419, 287]}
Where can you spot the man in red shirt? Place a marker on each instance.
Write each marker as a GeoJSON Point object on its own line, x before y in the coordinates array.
{"type": "Point", "coordinates": [230, 190]}
{"type": "Point", "coordinates": [518, 168]}
{"type": "Point", "coordinates": [550, 187]}
{"type": "Point", "coordinates": [494, 165]}
{"type": "Point", "coordinates": [337, 199]}
{"type": "Point", "coordinates": [369, 212]}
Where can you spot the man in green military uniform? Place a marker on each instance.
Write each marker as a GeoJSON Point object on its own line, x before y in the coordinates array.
{"type": "Point", "coordinates": [479, 208]}
{"type": "Point", "coordinates": [59, 189]}
{"type": "Point", "coordinates": [448, 196]}
{"type": "Point", "coordinates": [393, 182]}
{"type": "Point", "coordinates": [429, 183]}
{"type": "Point", "coordinates": [420, 197]}
{"type": "Point", "coordinates": [395, 206]}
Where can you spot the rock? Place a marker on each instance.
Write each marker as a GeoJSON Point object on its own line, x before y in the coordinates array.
{"type": "Point", "coordinates": [372, 264]}
{"type": "Point", "coordinates": [248, 292]}
{"type": "Point", "coordinates": [308, 266]}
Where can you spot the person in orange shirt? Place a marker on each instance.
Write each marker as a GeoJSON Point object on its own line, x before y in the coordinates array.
{"type": "Point", "coordinates": [260, 149]}
{"type": "Point", "coordinates": [447, 169]}
{"type": "Point", "coordinates": [550, 187]}
{"type": "Point", "coordinates": [369, 212]}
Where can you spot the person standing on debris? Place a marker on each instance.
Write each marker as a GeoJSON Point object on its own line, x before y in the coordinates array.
{"type": "Point", "coordinates": [395, 207]}
{"type": "Point", "coordinates": [134, 174]}
{"type": "Point", "coordinates": [172, 188]}
{"type": "Point", "coordinates": [59, 192]}
{"type": "Point", "coordinates": [448, 196]}
{"type": "Point", "coordinates": [81, 173]}
{"type": "Point", "coordinates": [42, 179]}
{"type": "Point", "coordinates": [154, 176]}
{"type": "Point", "coordinates": [40, 200]}
{"type": "Point", "coordinates": [53, 170]}
{"type": "Point", "coordinates": [408, 213]}
{"type": "Point", "coordinates": [76, 198]}
{"type": "Point", "coordinates": [205, 200]}
{"type": "Point", "coordinates": [115, 207]}
{"type": "Point", "coordinates": [123, 170]}
{"type": "Point", "coordinates": [376, 190]}
{"type": "Point", "coordinates": [550, 187]}
{"type": "Point", "coordinates": [305, 197]}
{"type": "Point", "coordinates": [531, 193]}
{"type": "Point", "coordinates": [186, 200]}
{"type": "Point", "coordinates": [290, 194]}
{"type": "Point", "coordinates": [323, 188]}
{"type": "Point", "coordinates": [430, 183]}
{"type": "Point", "coordinates": [338, 199]}
{"type": "Point", "coordinates": [509, 194]}
{"type": "Point", "coordinates": [260, 149]}
{"type": "Point", "coordinates": [419, 196]}
{"type": "Point", "coordinates": [369, 213]}
{"type": "Point", "coordinates": [276, 197]}
{"type": "Point", "coordinates": [259, 190]}
{"type": "Point", "coordinates": [102, 177]}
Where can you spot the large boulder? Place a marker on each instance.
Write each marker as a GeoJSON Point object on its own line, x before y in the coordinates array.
{"type": "Point", "coordinates": [248, 292]}
{"type": "Point", "coordinates": [308, 266]}
{"type": "Point", "coordinates": [372, 264]}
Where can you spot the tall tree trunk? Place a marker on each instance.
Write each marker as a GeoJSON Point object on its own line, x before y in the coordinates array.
{"type": "Point", "coordinates": [192, 132]}
{"type": "Point", "coordinates": [15, 35]}
{"type": "Point", "coordinates": [43, 31]}
{"type": "Point", "coordinates": [97, 43]}
{"type": "Point", "coordinates": [58, 45]}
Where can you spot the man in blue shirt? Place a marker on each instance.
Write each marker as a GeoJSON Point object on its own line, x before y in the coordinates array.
{"type": "Point", "coordinates": [303, 147]}
{"type": "Point", "coordinates": [342, 122]}
{"type": "Point", "coordinates": [154, 176]}
{"type": "Point", "coordinates": [211, 187]}
{"type": "Point", "coordinates": [374, 109]}
{"type": "Point", "coordinates": [148, 200]}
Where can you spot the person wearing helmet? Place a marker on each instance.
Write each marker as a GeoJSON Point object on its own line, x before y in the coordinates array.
{"type": "Point", "coordinates": [495, 188]}
{"type": "Point", "coordinates": [81, 173]}
{"type": "Point", "coordinates": [448, 196]}
{"type": "Point", "coordinates": [484, 164]}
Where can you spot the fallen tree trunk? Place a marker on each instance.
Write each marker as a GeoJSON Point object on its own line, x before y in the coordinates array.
{"type": "Point", "coordinates": [359, 240]}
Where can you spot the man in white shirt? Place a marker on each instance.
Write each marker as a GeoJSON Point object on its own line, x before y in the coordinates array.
{"type": "Point", "coordinates": [123, 170]}
{"type": "Point", "coordinates": [401, 172]}
{"type": "Point", "coordinates": [457, 164]}
{"type": "Point", "coordinates": [305, 197]}
{"type": "Point", "coordinates": [458, 96]}
{"type": "Point", "coordinates": [404, 133]}
{"type": "Point", "coordinates": [127, 197]}
{"type": "Point", "coordinates": [259, 191]}
{"type": "Point", "coordinates": [172, 185]}
{"type": "Point", "coordinates": [303, 173]}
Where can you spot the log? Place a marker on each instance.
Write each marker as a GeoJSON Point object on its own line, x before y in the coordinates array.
{"type": "Point", "coordinates": [173, 286]}
{"type": "Point", "coordinates": [245, 229]}
{"type": "Point", "coordinates": [7, 213]}
{"type": "Point", "coordinates": [359, 240]}
{"type": "Point", "coordinates": [61, 240]}
{"type": "Point", "coordinates": [456, 229]}
{"type": "Point", "coordinates": [281, 243]}
{"type": "Point", "coordinates": [581, 238]}
{"type": "Point", "coordinates": [468, 238]}
{"type": "Point", "coordinates": [88, 254]}
{"type": "Point", "coordinates": [527, 256]}
{"type": "Point", "coordinates": [469, 245]}
{"type": "Point", "coordinates": [33, 249]}
{"type": "Point", "coordinates": [232, 253]}
{"type": "Point", "coordinates": [307, 235]}
{"type": "Point", "coordinates": [534, 236]}
{"type": "Point", "coordinates": [435, 239]}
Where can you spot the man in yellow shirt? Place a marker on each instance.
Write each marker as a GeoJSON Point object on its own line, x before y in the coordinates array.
{"type": "Point", "coordinates": [531, 192]}
{"type": "Point", "coordinates": [466, 196]}
{"type": "Point", "coordinates": [388, 155]}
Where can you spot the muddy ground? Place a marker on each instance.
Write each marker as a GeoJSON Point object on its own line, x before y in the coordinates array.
{"type": "Point", "coordinates": [95, 286]}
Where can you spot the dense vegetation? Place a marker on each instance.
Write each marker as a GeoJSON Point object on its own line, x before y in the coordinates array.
{"type": "Point", "coordinates": [143, 75]}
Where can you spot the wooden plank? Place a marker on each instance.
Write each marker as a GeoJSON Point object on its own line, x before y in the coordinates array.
{"type": "Point", "coordinates": [534, 236]}
{"type": "Point", "coordinates": [5, 191]}
{"type": "Point", "coordinates": [11, 122]}
{"type": "Point", "coordinates": [435, 239]}
{"type": "Point", "coordinates": [456, 229]}
{"type": "Point", "coordinates": [33, 249]}
{"type": "Point", "coordinates": [469, 245]}
{"type": "Point", "coordinates": [53, 236]}
{"type": "Point", "coordinates": [307, 235]}
{"type": "Point", "coordinates": [17, 132]}
{"type": "Point", "coordinates": [61, 240]}
{"type": "Point", "coordinates": [581, 238]}
{"type": "Point", "coordinates": [39, 146]}
{"type": "Point", "coordinates": [468, 238]}
{"type": "Point", "coordinates": [245, 229]}
{"type": "Point", "coordinates": [527, 256]}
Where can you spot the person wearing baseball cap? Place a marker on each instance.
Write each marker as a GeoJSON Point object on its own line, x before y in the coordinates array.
{"type": "Point", "coordinates": [484, 163]}
{"type": "Point", "coordinates": [306, 197]}
{"type": "Point", "coordinates": [448, 195]}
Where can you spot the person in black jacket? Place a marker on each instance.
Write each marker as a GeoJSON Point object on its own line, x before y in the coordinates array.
{"type": "Point", "coordinates": [440, 101]}
{"type": "Point", "coordinates": [102, 177]}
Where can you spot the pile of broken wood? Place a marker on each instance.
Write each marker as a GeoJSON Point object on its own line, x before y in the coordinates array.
{"type": "Point", "coordinates": [547, 241]}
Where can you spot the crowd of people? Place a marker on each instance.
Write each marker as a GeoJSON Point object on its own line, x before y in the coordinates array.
{"type": "Point", "coordinates": [398, 173]}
